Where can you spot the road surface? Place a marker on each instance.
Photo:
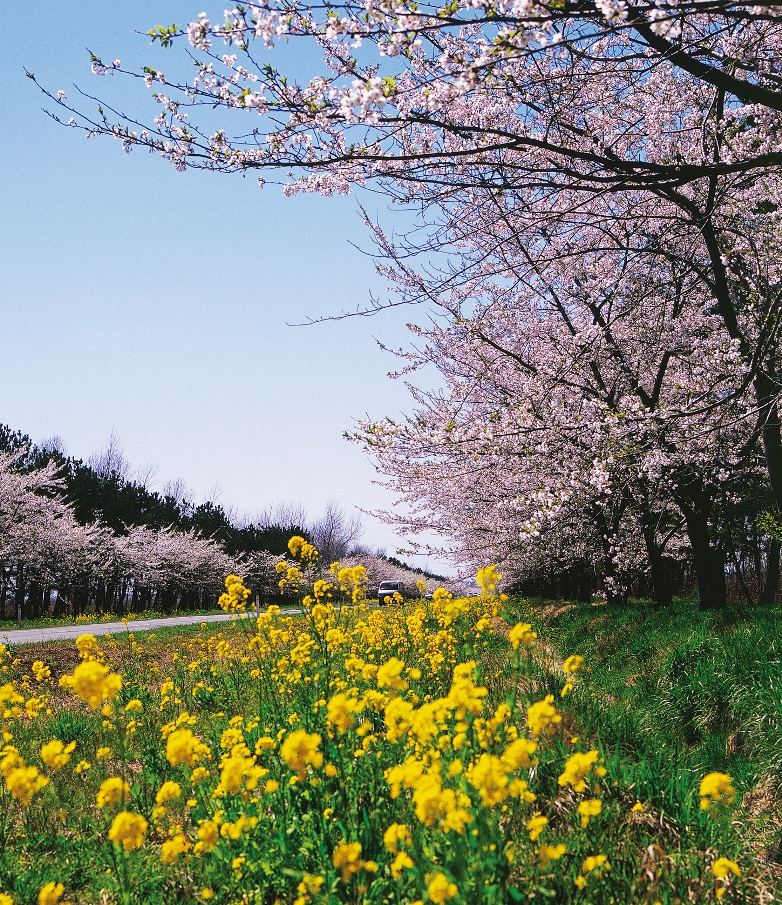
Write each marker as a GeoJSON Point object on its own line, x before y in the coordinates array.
{"type": "Point", "coordinates": [66, 632]}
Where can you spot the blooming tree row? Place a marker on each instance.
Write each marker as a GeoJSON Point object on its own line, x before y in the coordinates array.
{"type": "Point", "coordinates": [598, 190]}
{"type": "Point", "coordinates": [50, 562]}
{"type": "Point", "coordinates": [586, 418]}
{"type": "Point", "coordinates": [45, 553]}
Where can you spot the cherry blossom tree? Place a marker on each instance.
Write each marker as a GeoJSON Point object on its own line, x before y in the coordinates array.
{"type": "Point", "coordinates": [590, 393]}
{"type": "Point", "coordinates": [181, 566]}
{"type": "Point", "coordinates": [44, 549]}
{"type": "Point", "coordinates": [638, 141]}
{"type": "Point", "coordinates": [557, 110]}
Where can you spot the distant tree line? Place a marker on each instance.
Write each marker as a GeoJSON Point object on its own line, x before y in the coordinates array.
{"type": "Point", "coordinates": [102, 489]}
{"type": "Point", "coordinates": [87, 536]}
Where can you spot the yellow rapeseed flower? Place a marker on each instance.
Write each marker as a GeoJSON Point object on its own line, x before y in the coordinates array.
{"type": "Point", "coordinates": [549, 853]}
{"type": "Point", "coordinates": [9, 699]}
{"type": "Point", "coordinates": [128, 830]}
{"type": "Point", "coordinates": [396, 833]}
{"type": "Point", "coordinates": [341, 710]}
{"type": "Point", "coordinates": [440, 889]}
{"type": "Point", "coordinates": [347, 859]}
{"type": "Point", "coordinates": [522, 635]}
{"type": "Point", "coordinates": [596, 863]}
{"type": "Point", "coordinates": [577, 769]}
{"type": "Point", "coordinates": [542, 717]}
{"type": "Point", "coordinates": [87, 645]}
{"type": "Point", "coordinates": [353, 580]}
{"type": "Point", "coordinates": [235, 597]}
{"type": "Point", "coordinates": [572, 664]}
{"type": "Point", "coordinates": [295, 544]}
{"type": "Point", "coordinates": [722, 867]}
{"type": "Point", "coordinates": [168, 791]}
{"type": "Point", "coordinates": [401, 862]}
{"type": "Point", "coordinates": [41, 671]}
{"type": "Point", "coordinates": [51, 893]}
{"type": "Point", "coordinates": [23, 782]}
{"type": "Point", "coordinates": [197, 774]}
{"type": "Point", "coordinates": [95, 683]}
{"type": "Point", "coordinates": [309, 886]}
{"type": "Point", "coordinates": [435, 805]}
{"type": "Point", "coordinates": [239, 770]}
{"type": "Point", "coordinates": [5, 899]}
{"type": "Point", "coordinates": [183, 747]}
{"type": "Point", "coordinates": [518, 755]}
{"type": "Point", "coordinates": [588, 809]}
{"type": "Point", "coordinates": [464, 695]}
{"type": "Point", "coordinates": [265, 744]}
{"type": "Point", "coordinates": [56, 755]}
{"type": "Point", "coordinates": [11, 761]}
{"type": "Point", "coordinates": [716, 789]}
{"type": "Point", "coordinates": [172, 848]}
{"type": "Point", "coordinates": [208, 836]}
{"type": "Point", "coordinates": [398, 714]}
{"type": "Point", "coordinates": [488, 578]}
{"type": "Point", "coordinates": [300, 750]}
{"type": "Point", "coordinates": [389, 675]}
{"type": "Point", "coordinates": [535, 826]}
{"type": "Point", "coordinates": [112, 792]}
{"type": "Point", "coordinates": [488, 775]}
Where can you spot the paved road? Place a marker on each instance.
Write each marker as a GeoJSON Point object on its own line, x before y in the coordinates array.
{"type": "Point", "coordinates": [65, 632]}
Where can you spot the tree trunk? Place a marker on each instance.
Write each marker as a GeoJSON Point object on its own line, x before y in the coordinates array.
{"type": "Point", "coordinates": [695, 503]}
{"type": "Point", "coordinates": [757, 559]}
{"type": "Point", "coordinates": [662, 589]}
{"type": "Point", "coordinates": [4, 593]}
{"type": "Point", "coordinates": [110, 598]}
{"type": "Point", "coordinates": [766, 392]}
{"type": "Point", "coordinates": [607, 535]}
{"type": "Point", "coordinates": [20, 586]}
{"type": "Point", "coordinates": [34, 600]}
{"type": "Point", "coordinates": [709, 566]}
{"type": "Point", "coordinates": [59, 604]}
{"type": "Point", "coordinates": [80, 596]}
{"type": "Point", "coordinates": [771, 585]}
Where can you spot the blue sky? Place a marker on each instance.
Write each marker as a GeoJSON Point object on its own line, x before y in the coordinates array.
{"type": "Point", "coordinates": [151, 304]}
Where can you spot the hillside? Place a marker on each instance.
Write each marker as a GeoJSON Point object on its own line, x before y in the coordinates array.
{"type": "Point", "coordinates": [675, 694]}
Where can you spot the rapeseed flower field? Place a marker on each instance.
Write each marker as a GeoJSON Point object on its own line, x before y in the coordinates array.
{"type": "Point", "coordinates": [406, 755]}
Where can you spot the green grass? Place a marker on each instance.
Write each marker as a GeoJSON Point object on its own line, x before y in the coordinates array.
{"type": "Point", "coordinates": [677, 693]}
{"type": "Point", "coordinates": [665, 696]}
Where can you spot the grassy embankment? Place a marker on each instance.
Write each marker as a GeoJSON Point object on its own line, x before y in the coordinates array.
{"type": "Point", "coordinates": [281, 814]}
{"type": "Point", "coordinates": [675, 694]}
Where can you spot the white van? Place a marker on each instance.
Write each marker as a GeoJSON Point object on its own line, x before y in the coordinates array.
{"type": "Point", "coordinates": [387, 589]}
